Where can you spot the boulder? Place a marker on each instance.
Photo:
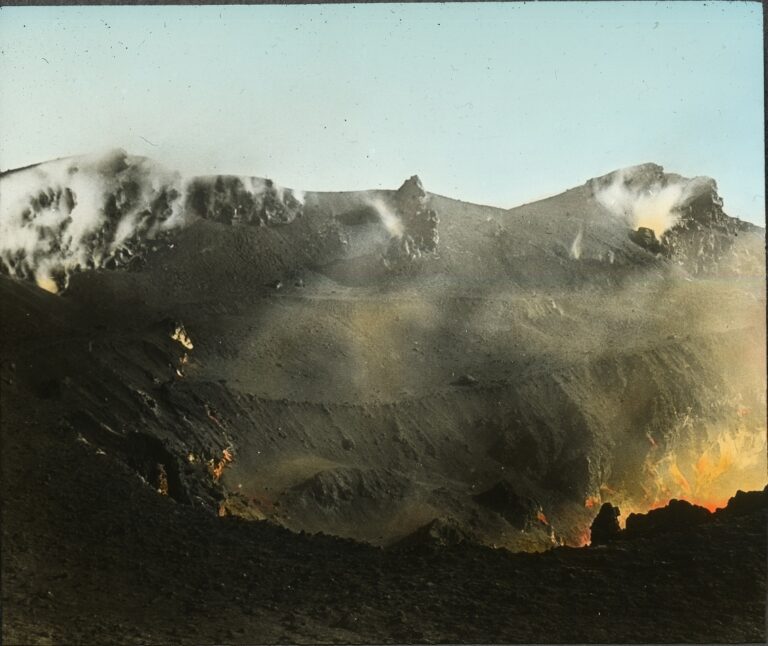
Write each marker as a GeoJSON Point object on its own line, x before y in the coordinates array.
{"type": "Point", "coordinates": [605, 528]}
{"type": "Point", "coordinates": [420, 224]}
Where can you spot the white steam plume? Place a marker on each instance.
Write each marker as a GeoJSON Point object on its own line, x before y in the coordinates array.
{"type": "Point", "coordinates": [80, 212]}
{"type": "Point", "coordinates": [391, 221]}
{"type": "Point", "coordinates": [282, 192]}
{"type": "Point", "coordinates": [576, 244]}
{"type": "Point", "coordinates": [655, 206]}
{"type": "Point", "coordinates": [87, 212]}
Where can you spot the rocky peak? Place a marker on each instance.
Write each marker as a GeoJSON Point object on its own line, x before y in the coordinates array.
{"type": "Point", "coordinates": [677, 217]}
{"type": "Point", "coordinates": [693, 198]}
{"type": "Point", "coordinates": [411, 194]}
{"type": "Point", "coordinates": [420, 222]}
{"type": "Point", "coordinates": [636, 178]}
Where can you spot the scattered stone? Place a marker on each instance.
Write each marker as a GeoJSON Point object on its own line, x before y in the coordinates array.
{"type": "Point", "coordinates": [347, 444]}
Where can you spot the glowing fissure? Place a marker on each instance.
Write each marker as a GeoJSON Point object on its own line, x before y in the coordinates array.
{"type": "Point", "coordinates": [706, 475]}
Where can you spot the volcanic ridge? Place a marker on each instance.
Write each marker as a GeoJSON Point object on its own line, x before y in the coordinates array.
{"type": "Point", "coordinates": [257, 415]}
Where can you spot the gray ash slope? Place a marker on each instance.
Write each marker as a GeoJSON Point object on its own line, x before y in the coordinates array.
{"type": "Point", "coordinates": [364, 363]}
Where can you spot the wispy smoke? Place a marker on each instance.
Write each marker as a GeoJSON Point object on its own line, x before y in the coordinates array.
{"type": "Point", "coordinates": [576, 244]}
{"type": "Point", "coordinates": [259, 186]}
{"type": "Point", "coordinates": [391, 221]}
{"type": "Point", "coordinates": [81, 212]}
{"type": "Point", "coordinates": [653, 205]}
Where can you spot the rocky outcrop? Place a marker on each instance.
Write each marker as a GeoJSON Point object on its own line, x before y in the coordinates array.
{"type": "Point", "coordinates": [704, 238]}
{"type": "Point", "coordinates": [236, 200]}
{"type": "Point", "coordinates": [678, 516]}
{"type": "Point", "coordinates": [746, 502]}
{"type": "Point", "coordinates": [605, 528]}
{"type": "Point", "coordinates": [679, 218]}
{"type": "Point", "coordinates": [420, 222]}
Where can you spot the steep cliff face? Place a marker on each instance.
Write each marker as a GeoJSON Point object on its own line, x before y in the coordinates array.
{"type": "Point", "coordinates": [706, 240]}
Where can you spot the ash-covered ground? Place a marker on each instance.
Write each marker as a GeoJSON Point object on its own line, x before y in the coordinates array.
{"type": "Point", "coordinates": [252, 415]}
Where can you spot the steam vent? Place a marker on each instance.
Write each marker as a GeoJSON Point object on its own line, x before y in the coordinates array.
{"type": "Point", "coordinates": [389, 416]}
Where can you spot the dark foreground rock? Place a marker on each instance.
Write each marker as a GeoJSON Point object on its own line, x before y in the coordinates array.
{"type": "Point", "coordinates": [605, 528]}
{"type": "Point", "coordinates": [678, 516]}
{"type": "Point", "coordinates": [92, 555]}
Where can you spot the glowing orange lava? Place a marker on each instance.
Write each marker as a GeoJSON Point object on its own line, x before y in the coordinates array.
{"type": "Point", "coordinates": [592, 501]}
{"type": "Point", "coordinates": [216, 467]}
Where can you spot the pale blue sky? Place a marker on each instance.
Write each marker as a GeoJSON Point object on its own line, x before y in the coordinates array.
{"type": "Point", "coordinates": [495, 103]}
